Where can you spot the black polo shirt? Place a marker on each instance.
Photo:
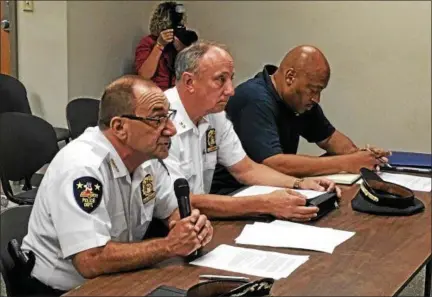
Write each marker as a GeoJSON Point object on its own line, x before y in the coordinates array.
{"type": "Point", "coordinates": [267, 126]}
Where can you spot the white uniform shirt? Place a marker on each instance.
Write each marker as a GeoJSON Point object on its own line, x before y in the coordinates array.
{"type": "Point", "coordinates": [114, 206]}
{"type": "Point", "coordinates": [195, 151]}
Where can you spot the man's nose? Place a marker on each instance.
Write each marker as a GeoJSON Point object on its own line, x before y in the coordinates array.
{"type": "Point", "coordinates": [169, 129]}
{"type": "Point", "coordinates": [229, 91]}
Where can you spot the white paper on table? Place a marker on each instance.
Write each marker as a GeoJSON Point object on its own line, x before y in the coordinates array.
{"type": "Point", "coordinates": [299, 237]}
{"type": "Point", "coordinates": [336, 236]}
{"type": "Point", "coordinates": [415, 183]}
{"type": "Point", "coordinates": [251, 261]}
{"type": "Point", "coordinates": [259, 190]}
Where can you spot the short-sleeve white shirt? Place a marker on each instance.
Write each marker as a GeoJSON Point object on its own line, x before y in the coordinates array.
{"type": "Point", "coordinates": [122, 210]}
{"type": "Point", "coordinates": [195, 151]}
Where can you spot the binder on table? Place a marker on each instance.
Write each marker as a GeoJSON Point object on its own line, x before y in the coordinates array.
{"type": "Point", "coordinates": [410, 162]}
{"type": "Point", "coordinates": [409, 159]}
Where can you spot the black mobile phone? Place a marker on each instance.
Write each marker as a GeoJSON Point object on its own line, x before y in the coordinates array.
{"type": "Point", "coordinates": [167, 291]}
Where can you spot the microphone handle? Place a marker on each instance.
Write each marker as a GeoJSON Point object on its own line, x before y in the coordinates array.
{"type": "Point", "coordinates": [185, 211]}
{"type": "Point", "coordinates": [195, 254]}
{"type": "Point", "coordinates": [184, 207]}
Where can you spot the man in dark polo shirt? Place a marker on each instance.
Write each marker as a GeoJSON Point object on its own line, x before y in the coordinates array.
{"type": "Point", "coordinates": [272, 110]}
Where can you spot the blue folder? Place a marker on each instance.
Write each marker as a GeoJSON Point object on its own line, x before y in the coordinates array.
{"type": "Point", "coordinates": [408, 159]}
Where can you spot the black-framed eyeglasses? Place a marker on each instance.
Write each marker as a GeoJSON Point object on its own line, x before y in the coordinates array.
{"type": "Point", "coordinates": [159, 119]}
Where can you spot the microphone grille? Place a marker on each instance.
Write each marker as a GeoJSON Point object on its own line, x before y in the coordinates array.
{"type": "Point", "coordinates": [181, 187]}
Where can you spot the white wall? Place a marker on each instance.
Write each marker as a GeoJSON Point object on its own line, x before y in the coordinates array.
{"type": "Point", "coordinates": [379, 91]}
{"type": "Point", "coordinates": [102, 36]}
{"type": "Point", "coordinates": [42, 54]}
{"type": "Point", "coordinates": [74, 48]}
{"type": "Point", "coordinates": [379, 52]}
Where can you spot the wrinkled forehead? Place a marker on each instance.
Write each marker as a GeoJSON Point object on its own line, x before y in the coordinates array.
{"type": "Point", "coordinates": [149, 99]}
{"type": "Point", "coordinates": [216, 60]}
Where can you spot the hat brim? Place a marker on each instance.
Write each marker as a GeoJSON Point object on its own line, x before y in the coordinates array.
{"type": "Point", "coordinates": [363, 204]}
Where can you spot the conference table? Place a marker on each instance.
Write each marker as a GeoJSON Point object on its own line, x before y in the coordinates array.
{"type": "Point", "coordinates": [379, 260]}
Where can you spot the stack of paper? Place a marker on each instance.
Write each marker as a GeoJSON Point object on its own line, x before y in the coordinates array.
{"type": "Point", "coordinates": [251, 261]}
{"type": "Point", "coordinates": [259, 190]}
{"type": "Point", "coordinates": [343, 178]}
{"type": "Point", "coordinates": [293, 235]}
{"type": "Point", "coordinates": [415, 183]}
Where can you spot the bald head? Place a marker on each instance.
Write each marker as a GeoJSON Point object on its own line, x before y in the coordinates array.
{"type": "Point", "coordinates": [306, 59]}
{"type": "Point", "coordinates": [122, 96]}
{"type": "Point", "coordinates": [302, 75]}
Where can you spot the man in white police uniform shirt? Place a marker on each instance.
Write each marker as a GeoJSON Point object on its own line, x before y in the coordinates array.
{"type": "Point", "coordinates": [101, 191]}
{"type": "Point", "coordinates": [204, 73]}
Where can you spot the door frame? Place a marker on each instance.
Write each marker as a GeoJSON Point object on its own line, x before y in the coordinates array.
{"type": "Point", "coordinates": [9, 9]}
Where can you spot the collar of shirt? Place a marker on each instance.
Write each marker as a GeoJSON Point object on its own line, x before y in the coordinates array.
{"type": "Point", "coordinates": [115, 162]}
{"type": "Point", "coordinates": [182, 121]}
{"type": "Point", "coordinates": [265, 74]}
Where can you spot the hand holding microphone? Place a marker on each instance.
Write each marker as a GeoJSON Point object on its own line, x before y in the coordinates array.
{"type": "Point", "coordinates": [193, 231]}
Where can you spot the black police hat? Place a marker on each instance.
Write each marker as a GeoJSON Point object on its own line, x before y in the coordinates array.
{"type": "Point", "coordinates": [379, 197]}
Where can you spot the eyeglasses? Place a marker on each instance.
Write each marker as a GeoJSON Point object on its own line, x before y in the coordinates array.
{"type": "Point", "coordinates": [159, 119]}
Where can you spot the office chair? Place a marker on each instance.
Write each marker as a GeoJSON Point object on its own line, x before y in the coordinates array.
{"type": "Point", "coordinates": [81, 113]}
{"type": "Point", "coordinates": [27, 143]}
{"type": "Point", "coordinates": [14, 224]}
{"type": "Point", "coordinates": [13, 98]}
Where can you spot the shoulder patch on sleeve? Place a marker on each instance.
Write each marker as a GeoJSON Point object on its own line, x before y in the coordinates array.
{"type": "Point", "coordinates": [87, 192]}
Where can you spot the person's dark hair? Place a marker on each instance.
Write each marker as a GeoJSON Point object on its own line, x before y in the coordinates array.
{"type": "Point", "coordinates": [161, 18]}
{"type": "Point", "coordinates": [117, 99]}
{"type": "Point", "coordinates": [189, 58]}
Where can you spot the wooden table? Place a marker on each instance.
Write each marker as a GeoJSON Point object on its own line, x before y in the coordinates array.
{"type": "Point", "coordinates": [379, 260]}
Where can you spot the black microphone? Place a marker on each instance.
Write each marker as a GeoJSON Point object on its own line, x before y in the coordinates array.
{"type": "Point", "coordinates": [181, 190]}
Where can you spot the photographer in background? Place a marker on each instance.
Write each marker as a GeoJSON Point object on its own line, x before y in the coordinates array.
{"type": "Point", "coordinates": [155, 54]}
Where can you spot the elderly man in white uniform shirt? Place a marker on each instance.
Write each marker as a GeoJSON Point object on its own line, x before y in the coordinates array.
{"type": "Point", "coordinates": [204, 73]}
{"type": "Point", "coordinates": [101, 191]}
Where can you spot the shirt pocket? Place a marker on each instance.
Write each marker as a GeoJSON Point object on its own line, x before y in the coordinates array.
{"type": "Point", "coordinates": [210, 160]}
{"type": "Point", "coordinates": [186, 168]}
{"type": "Point", "coordinates": [145, 219]}
{"type": "Point", "coordinates": [119, 230]}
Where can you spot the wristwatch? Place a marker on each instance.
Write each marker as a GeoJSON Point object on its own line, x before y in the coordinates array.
{"type": "Point", "coordinates": [297, 183]}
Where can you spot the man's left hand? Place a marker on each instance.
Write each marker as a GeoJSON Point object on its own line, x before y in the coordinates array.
{"type": "Point", "coordinates": [204, 229]}
{"type": "Point", "coordinates": [320, 184]}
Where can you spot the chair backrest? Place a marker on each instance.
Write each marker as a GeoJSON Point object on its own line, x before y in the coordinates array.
{"type": "Point", "coordinates": [27, 143]}
{"type": "Point", "coordinates": [81, 113]}
{"type": "Point", "coordinates": [13, 95]}
{"type": "Point", "coordinates": [14, 224]}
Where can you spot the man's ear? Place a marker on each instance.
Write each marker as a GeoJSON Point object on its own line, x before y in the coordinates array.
{"type": "Point", "coordinates": [188, 81]}
{"type": "Point", "coordinates": [118, 128]}
{"type": "Point", "coordinates": [290, 76]}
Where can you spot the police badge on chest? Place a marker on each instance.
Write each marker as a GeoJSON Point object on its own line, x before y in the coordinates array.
{"type": "Point", "coordinates": [147, 189]}
{"type": "Point", "coordinates": [211, 145]}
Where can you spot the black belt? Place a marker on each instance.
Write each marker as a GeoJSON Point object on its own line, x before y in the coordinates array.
{"type": "Point", "coordinates": [36, 287]}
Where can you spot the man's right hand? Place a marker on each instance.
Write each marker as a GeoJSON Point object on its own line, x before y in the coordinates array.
{"type": "Point", "coordinates": [363, 158]}
{"type": "Point", "coordinates": [165, 37]}
{"type": "Point", "coordinates": [183, 238]}
{"type": "Point", "coordinates": [289, 204]}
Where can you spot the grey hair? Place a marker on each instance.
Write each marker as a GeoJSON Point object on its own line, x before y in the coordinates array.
{"type": "Point", "coordinates": [119, 98]}
{"type": "Point", "coordinates": [189, 58]}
